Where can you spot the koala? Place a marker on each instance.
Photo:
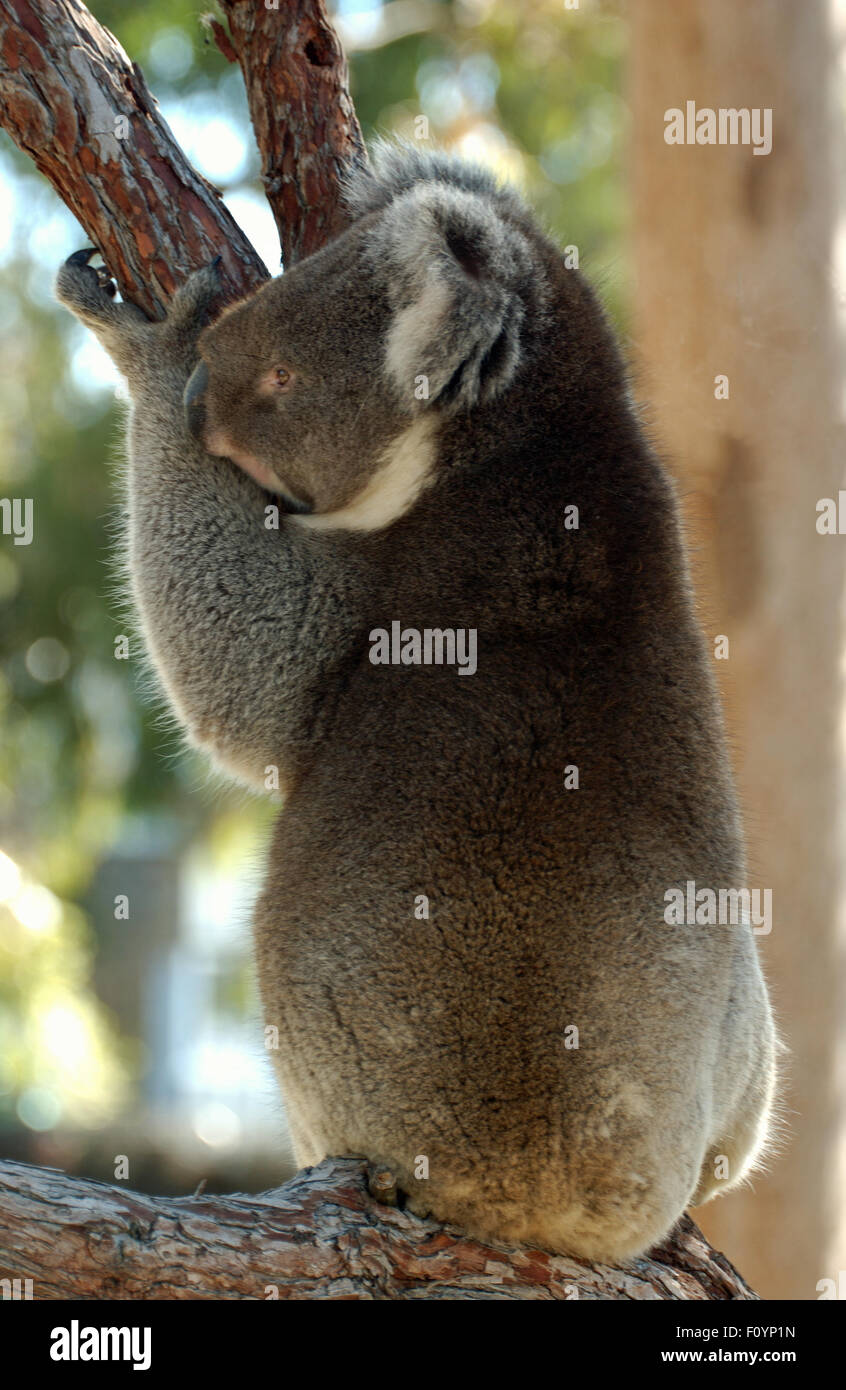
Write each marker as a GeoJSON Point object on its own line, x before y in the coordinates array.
{"type": "Point", "coordinates": [426, 428]}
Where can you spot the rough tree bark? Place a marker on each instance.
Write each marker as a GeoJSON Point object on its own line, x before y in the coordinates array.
{"type": "Point", "coordinates": [295, 73]}
{"type": "Point", "coordinates": [73, 101]}
{"type": "Point", "coordinates": [321, 1236]}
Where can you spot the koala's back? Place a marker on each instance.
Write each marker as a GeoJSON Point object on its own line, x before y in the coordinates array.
{"type": "Point", "coordinates": [447, 1032]}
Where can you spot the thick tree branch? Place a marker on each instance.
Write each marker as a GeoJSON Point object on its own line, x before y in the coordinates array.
{"type": "Point", "coordinates": [321, 1236]}
{"type": "Point", "coordinates": [71, 99]}
{"type": "Point", "coordinates": [295, 74]}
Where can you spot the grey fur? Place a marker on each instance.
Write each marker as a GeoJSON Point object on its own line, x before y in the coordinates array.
{"type": "Point", "coordinates": [445, 1038]}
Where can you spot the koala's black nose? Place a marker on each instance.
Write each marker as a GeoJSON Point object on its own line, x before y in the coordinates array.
{"type": "Point", "coordinates": [192, 399]}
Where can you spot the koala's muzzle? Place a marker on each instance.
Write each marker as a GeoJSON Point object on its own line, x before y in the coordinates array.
{"type": "Point", "coordinates": [192, 400]}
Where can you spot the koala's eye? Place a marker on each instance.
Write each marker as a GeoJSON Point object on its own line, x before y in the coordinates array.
{"type": "Point", "coordinates": [276, 381]}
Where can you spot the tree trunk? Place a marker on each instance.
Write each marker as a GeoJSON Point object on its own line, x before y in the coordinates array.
{"type": "Point", "coordinates": [732, 257]}
{"type": "Point", "coordinates": [320, 1236]}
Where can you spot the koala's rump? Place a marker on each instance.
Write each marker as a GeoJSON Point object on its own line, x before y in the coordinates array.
{"type": "Point", "coordinates": [532, 1034]}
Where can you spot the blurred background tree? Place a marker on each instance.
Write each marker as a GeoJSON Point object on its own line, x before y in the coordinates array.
{"type": "Point", "coordinates": [738, 261]}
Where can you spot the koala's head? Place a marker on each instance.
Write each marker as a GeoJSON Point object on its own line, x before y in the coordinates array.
{"type": "Point", "coordinates": [327, 384]}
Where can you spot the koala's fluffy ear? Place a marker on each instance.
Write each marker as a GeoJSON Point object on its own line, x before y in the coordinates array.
{"type": "Point", "coordinates": [458, 277]}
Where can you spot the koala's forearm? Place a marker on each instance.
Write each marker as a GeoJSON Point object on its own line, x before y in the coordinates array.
{"type": "Point", "coordinates": [242, 620]}
{"type": "Point", "coordinates": [224, 601]}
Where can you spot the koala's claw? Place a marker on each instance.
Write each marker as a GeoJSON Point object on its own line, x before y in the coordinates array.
{"type": "Point", "coordinates": [81, 261]}
{"type": "Point", "coordinates": [82, 257]}
{"type": "Point", "coordinates": [78, 283]}
{"type": "Point", "coordinates": [88, 290]}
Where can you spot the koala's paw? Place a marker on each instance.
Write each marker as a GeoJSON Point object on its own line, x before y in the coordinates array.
{"type": "Point", "coordinates": [144, 351]}
{"type": "Point", "coordinates": [382, 1184]}
{"type": "Point", "coordinates": [89, 291]}
{"type": "Point", "coordinates": [189, 312]}
{"type": "Point", "coordinates": [89, 294]}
